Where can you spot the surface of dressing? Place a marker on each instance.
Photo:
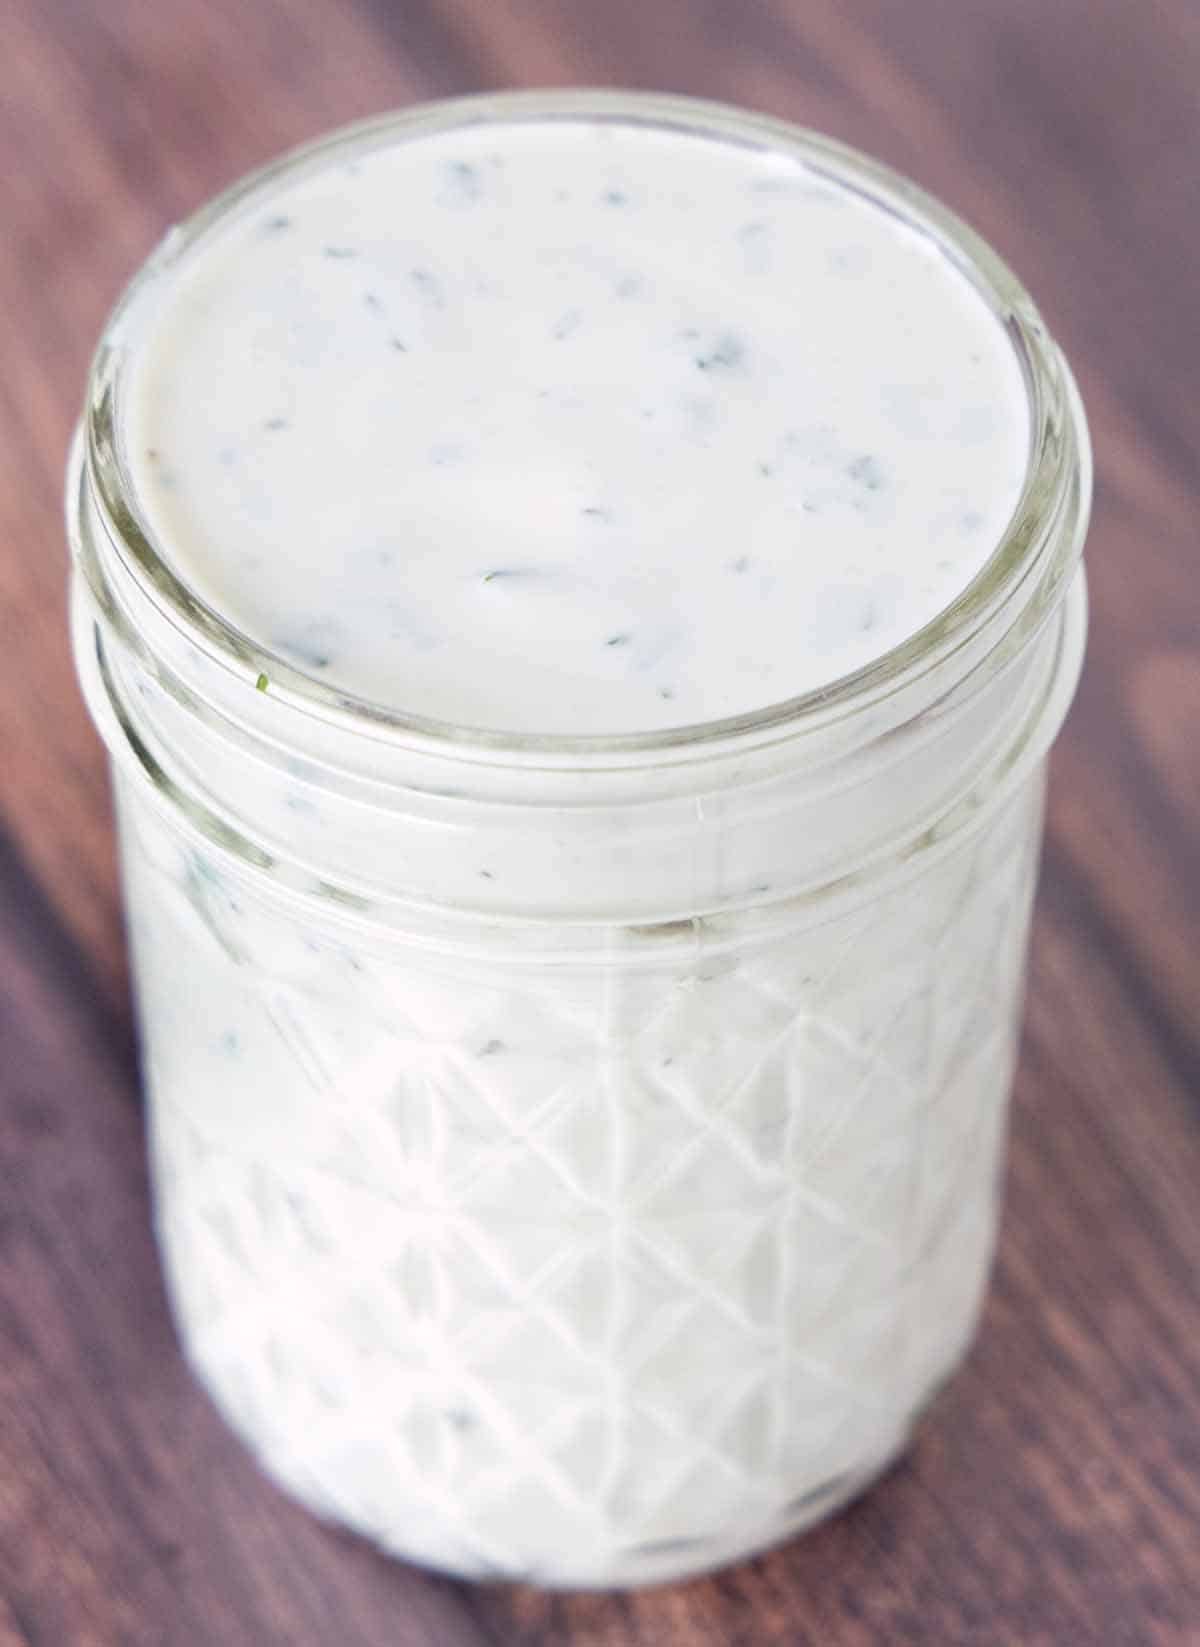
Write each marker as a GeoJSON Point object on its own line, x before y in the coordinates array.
{"type": "Point", "coordinates": [574, 427]}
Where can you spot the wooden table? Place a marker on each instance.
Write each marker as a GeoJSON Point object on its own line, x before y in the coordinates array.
{"type": "Point", "coordinates": [1054, 1496]}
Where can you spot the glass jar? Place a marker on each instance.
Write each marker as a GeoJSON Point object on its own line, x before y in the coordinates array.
{"type": "Point", "coordinates": [575, 1159]}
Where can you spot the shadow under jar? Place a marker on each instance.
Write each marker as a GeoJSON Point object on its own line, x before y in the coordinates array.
{"type": "Point", "coordinates": [576, 1117]}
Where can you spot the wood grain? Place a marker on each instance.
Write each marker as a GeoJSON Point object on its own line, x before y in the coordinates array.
{"type": "Point", "coordinates": [1054, 1497]}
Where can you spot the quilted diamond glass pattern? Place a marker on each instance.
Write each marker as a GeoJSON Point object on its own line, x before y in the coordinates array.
{"type": "Point", "coordinates": [588, 1273]}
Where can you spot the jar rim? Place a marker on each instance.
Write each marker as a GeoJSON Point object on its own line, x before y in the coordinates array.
{"type": "Point", "coordinates": [1029, 567]}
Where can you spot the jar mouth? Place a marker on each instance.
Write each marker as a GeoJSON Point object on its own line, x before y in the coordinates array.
{"type": "Point", "coordinates": [1020, 582]}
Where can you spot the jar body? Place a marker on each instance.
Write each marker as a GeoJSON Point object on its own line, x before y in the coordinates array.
{"type": "Point", "coordinates": [576, 1158]}
{"type": "Point", "coordinates": [592, 1272]}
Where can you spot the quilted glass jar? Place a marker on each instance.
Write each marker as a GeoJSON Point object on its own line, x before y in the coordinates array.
{"type": "Point", "coordinates": [576, 1159]}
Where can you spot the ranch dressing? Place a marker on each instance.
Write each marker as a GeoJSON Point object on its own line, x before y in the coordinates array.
{"type": "Point", "coordinates": [576, 427]}
{"type": "Point", "coordinates": [577, 1161]}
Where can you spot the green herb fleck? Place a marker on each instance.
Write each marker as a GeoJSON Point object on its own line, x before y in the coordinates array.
{"type": "Point", "coordinates": [566, 323]}
{"type": "Point", "coordinates": [261, 683]}
{"type": "Point", "coordinates": [868, 472]}
{"type": "Point", "coordinates": [428, 286]}
{"type": "Point", "coordinates": [726, 353]}
{"type": "Point", "coordinates": [465, 183]}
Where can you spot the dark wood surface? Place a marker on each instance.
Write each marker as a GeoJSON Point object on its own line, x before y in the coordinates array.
{"type": "Point", "coordinates": [1054, 1496]}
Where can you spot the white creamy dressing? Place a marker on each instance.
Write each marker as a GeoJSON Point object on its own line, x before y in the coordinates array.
{"type": "Point", "coordinates": [575, 427]}
{"type": "Point", "coordinates": [611, 1269]}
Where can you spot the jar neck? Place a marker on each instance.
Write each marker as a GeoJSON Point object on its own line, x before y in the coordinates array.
{"type": "Point", "coordinates": [390, 826]}
{"type": "Point", "coordinates": [661, 828]}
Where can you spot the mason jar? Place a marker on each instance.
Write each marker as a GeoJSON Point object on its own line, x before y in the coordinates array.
{"type": "Point", "coordinates": [575, 1158]}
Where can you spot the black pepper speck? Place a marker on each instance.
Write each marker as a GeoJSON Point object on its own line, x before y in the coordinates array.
{"type": "Point", "coordinates": [312, 646]}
